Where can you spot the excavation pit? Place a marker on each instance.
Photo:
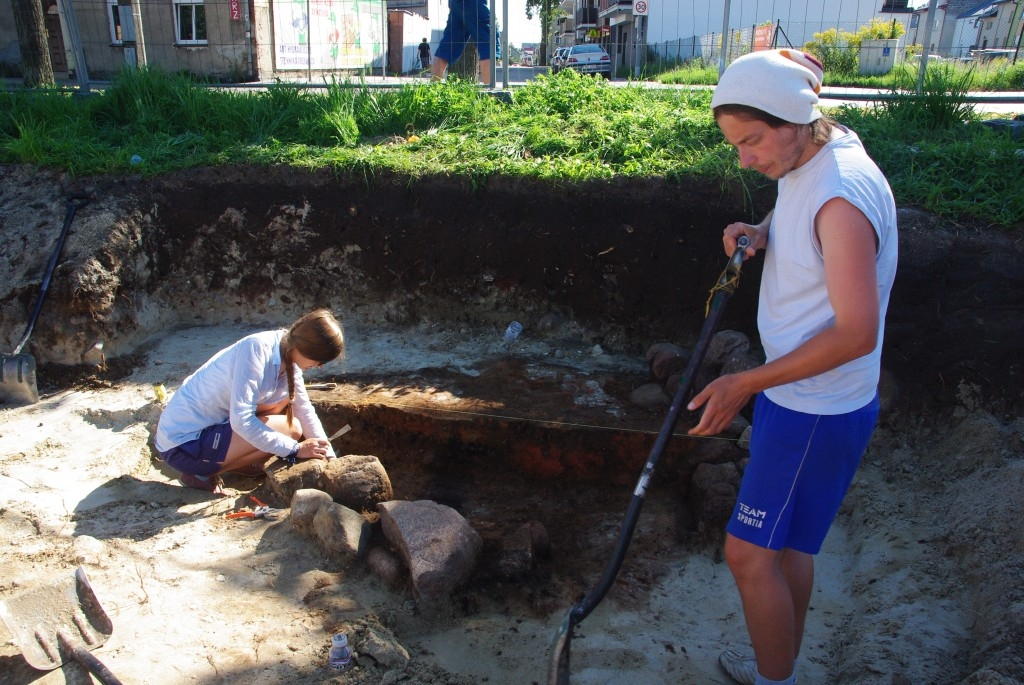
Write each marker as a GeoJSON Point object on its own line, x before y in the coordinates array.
{"type": "Point", "coordinates": [159, 273]}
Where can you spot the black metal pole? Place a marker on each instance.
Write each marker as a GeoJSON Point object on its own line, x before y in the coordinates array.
{"type": "Point", "coordinates": [558, 672]}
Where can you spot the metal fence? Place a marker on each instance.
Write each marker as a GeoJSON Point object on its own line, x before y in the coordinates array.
{"type": "Point", "coordinates": [304, 41]}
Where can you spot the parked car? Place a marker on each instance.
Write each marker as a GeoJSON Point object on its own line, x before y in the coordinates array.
{"type": "Point", "coordinates": [589, 58]}
{"type": "Point", "coordinates": [558, 60]}
{"type": "Point", "coordinates": [932, 59]}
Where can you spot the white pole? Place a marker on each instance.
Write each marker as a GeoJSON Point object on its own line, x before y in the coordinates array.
{"type": "Point", "coordinates": [494, 45]}
{"type": "Point", "coordinates": [139, 35]}
{"type": "Point", "coordinates": [927, 44]}
{"type": "Point", "coordinates": [504, 45]}
{"type": "Point", "coordinates": [725, 39]}
{"type": "Point", "coordinates": [638, 37]}
{"type": "Point", "coordinates": [81, 70]}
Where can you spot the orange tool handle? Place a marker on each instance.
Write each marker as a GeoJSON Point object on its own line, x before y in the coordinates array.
{"type": "Point", "coordinates": [240, 515]}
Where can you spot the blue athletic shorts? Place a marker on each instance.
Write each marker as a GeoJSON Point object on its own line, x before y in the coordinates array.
{"type": "Point", "coordinates": [466, 19]}
{"type": "Point", "coordinates": [801, 466]}
{"type": "Point", "coordinates": [203, 456]}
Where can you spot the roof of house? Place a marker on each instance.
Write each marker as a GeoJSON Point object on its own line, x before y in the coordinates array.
{"type": "Point", "coordinates": [985, 9]}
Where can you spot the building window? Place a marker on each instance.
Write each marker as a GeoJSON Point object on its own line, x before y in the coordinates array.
{"type": "Point", "coordinates": [114, 21]}
{"type": "Point", "coordinates": [190, 22]}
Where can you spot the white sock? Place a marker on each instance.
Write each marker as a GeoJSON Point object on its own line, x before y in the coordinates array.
{"type": "Point", "coordinates": [761, 680]}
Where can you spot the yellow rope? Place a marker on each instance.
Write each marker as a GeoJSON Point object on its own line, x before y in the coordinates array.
{"type": "Point", "coordinates": [727, 284]}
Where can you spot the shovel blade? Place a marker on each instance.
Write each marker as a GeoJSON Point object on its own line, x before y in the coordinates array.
{"type": "Point", "coordinates": [45, 620]}
{"type": "Point", "coordinates": [18, 379]}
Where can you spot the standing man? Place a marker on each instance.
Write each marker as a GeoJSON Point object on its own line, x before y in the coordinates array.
{"type": "Point", "coordinates": [830, 260]}
{"type": "Point", "coordinates": [467, 20]}
{"type": "Point", "coordinates": [424, 49]}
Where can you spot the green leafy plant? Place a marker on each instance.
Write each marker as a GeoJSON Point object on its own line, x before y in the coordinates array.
{"type": "Point", "coordinates": [839, 50]}
{"type": "Point", "coordinates": [835, 50]}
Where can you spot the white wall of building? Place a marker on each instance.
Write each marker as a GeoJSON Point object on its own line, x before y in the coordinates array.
{"type": "Point", "coordinates": [672, 20]}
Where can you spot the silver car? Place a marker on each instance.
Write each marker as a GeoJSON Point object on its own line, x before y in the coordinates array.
{"type": "Point", "coordinates": [589, 58]}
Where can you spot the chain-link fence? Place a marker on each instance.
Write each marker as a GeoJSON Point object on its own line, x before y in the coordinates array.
{"type": "Point", "coordinates": [304, 41]}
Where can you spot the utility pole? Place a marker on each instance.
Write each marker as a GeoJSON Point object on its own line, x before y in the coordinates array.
{"type": "Point", "coordinates": [81, 70]}
{"type": "Point", "coordinates": [723, 61]}
{"type": "Point", "coordinates": [927, 44]}
{"type": "Point", "coordinates": [131, 33]}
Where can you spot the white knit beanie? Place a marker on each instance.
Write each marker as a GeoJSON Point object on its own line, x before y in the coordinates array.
{"type": "Point", "coordinates": [783, 83]}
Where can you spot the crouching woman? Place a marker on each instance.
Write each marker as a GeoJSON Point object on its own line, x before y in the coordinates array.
{"type": "Point", "coordinates": [249, 403]}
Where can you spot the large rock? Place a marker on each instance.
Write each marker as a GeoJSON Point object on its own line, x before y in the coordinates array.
{"type": "Point", "coordinates": [284, 479]}
{"type": "Point", "coordinates": [355, 480]}
{"type": "Point", "coordinates": [666, 359]}
{"type": "Point", "coordinates": [725, 344]}
{"type": "Point", "coordinates": [385, 565]}
{"type": "Point", "coordinates": [650, 396]}
{"type": "Point", "coordinates": [437, 544]}
{"type": "Point", "coordinates": [358, 481]}
{"type": "Point", "coordinates": [342, 531]}
{"type": "Point", "coordinates": [305, 504]}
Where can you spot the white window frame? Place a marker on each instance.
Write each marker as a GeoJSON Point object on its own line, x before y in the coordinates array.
{"type": "Point", "coordinates": [178, 4]}
{"type": "Point", "coordinates": [114, 22]}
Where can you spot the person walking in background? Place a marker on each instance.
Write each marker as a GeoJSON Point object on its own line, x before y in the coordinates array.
{"type": "Point", "coordinates": [830, 247]}
{"type": "Point", "coordinates": [467, 20]}
{"type": "Point", "coordinates": [248, 403]}
{"type": "Point", "coordinates": [424, 49]}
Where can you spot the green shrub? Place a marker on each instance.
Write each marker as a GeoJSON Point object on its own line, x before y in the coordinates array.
{"type": "Point", "coordinates": [839, 51]}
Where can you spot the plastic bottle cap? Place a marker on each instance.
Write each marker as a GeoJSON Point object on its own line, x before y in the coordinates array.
{"type": "Point", "coordinates": [340, 640]}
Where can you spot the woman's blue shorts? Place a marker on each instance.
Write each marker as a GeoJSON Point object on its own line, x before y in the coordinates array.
{"type": "Point", "coordinates": [801, 466]}
{"type": "Point", "coordinates": [203, 456]}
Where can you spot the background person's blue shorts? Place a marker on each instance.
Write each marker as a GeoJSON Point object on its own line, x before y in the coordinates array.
{"type": "Point", "coordinates": [466, 19]}
{"type": "Point", "coordinates": [800, 468]}
{"type": "Point", "coordinates": [203, 456]}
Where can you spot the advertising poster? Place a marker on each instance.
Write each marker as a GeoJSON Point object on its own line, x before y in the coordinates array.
{"type": "Point", "coordinates": [328, 34]}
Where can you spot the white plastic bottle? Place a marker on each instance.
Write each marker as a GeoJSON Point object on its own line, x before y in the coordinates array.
{"type": "Point", "coordinates": [340, 657]}
{"type": "Point", "coordinates": [512, 333]}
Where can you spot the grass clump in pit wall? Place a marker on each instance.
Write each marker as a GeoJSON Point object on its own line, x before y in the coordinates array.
{"type": "Point", "coordinates": [566, 128]}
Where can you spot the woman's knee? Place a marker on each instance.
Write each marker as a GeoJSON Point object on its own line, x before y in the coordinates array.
{"type": "Point", "coordinates": [746, 559]}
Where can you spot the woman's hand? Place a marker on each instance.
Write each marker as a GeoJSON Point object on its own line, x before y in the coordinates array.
{"type": "Point", "coordinates": [313, 448]}
{"type": "Point", "coordinates": [722, 400]}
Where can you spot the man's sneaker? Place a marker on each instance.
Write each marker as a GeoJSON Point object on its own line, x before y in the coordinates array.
{"type": "Point", "coordinates": [741, 667]}
{"type": "Point", "coordinates": [207, 483]}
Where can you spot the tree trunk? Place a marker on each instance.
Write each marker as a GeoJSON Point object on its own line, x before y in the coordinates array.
{"type": "Point", "coordinates": [545, 25]}
{"type": "Point", "coordinates": [466, 67]}
{"type": "Point", "coordinates": [36, 68]}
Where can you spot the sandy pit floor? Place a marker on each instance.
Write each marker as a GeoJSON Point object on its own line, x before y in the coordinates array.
{"type": "Point", "coordinates": [196, 598]}
{"type": "Point", "coordinates": [921, 577]}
